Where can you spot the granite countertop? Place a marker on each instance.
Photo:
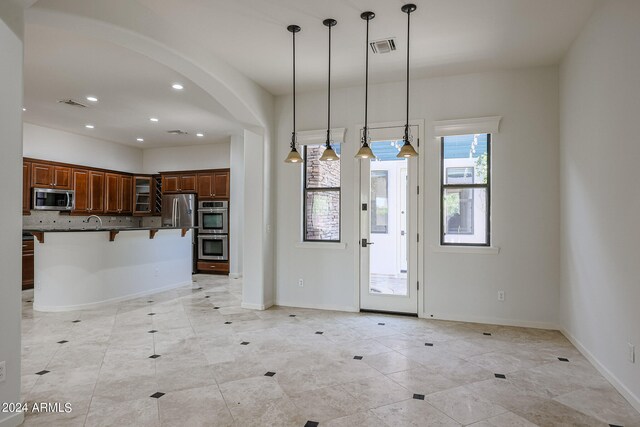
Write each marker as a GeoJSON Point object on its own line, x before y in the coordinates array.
{"type": "Point", "coordinates": [105, 228]}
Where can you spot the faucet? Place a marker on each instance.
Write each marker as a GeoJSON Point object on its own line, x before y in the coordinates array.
{"type": "Point", "coordinates": [96, 217]}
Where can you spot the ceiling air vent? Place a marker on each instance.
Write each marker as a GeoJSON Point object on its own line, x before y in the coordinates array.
{"type": "Point", "coordinates": [383, 46]}
{"type": "Point", "coordinates": [72, 103]}
{"type": "Point", "coordinates": [177, 132]}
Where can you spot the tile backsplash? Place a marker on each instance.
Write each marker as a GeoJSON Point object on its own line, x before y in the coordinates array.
{"type": "Point", "coordinates": [56, 220]}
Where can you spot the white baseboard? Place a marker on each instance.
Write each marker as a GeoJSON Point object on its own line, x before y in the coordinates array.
{"type": "Point", "coordinates": [235, 275]}
{"type": "Point", "coordinates": [249, 306]}
{"type": "Point", "coordinates": [624, 391]}
{"type": "Point", "coordinates": [493, 321]}
{"type": "Point", "coordinates": [53, 309]}
{"type": "Point", "coordinates": [318, 306]}
{"type": "Point", "coordinates": [13, 420]}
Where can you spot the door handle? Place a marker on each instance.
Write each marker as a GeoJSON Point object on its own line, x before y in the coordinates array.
{"type": "Point", "coordinates": [365, 243]}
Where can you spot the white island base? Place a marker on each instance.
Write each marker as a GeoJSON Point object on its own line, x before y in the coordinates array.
{"type": "Point", "coordinates": [78, 270]}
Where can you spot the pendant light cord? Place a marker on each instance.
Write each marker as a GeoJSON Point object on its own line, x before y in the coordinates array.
{"type": "Point", "coordinates": [328, 143]}
{"type": "Point", "coordinates": [293, 135]}
{"type": "Point", "coordinates": [366, 87]}
{"type": "Point", "coordinates": [406, 128]}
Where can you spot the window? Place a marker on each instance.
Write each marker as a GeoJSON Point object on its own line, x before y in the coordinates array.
{"type": "Point", "coordinates": [465, 190]}
{"type": "Point", "coordinates": [379, 201]}
{"type": "Point", "coordinates": [321, 196]}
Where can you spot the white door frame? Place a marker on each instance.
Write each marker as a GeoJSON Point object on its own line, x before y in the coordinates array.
{"type": "Point", "coordinates": [418, 137]}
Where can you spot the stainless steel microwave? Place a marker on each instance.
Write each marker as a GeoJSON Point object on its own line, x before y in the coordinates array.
{"type": "Point", "coordinates": [50, 199]}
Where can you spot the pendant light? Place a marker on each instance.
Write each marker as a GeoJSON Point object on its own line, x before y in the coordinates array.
{"type": "Point", "coordinates": [365, 151]}
{"type": "Point", "coordinates": [329, 155]}
{"type": "Point", "coordinates": [294, 155]}
{"type": "Point", "coordinates": [407, 149]}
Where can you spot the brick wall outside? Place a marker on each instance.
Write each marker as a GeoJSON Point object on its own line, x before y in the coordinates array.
{"type": "Point", "coordinates": [323, 207]}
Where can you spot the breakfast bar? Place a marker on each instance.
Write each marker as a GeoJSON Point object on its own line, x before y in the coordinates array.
{"type": "Point", "coordinates": [81, 268]}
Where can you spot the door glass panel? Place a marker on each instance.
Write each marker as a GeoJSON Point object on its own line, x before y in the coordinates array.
{"type": "Point", "coordinates": [388, 209]}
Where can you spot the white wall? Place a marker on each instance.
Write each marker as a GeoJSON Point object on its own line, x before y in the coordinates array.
{"type": "Point", "coordinates": [192, 157]}
{"type": "Point", "coordinates": [56, 145]}
{"type": "Point", "coordinates": [600, 153]}
{"type": "Point", "coordinates": [11, 25]}
{"type": "Point", "coordinates": [525, 197]}
{"type": "Point", "coordinates": [236, 202]}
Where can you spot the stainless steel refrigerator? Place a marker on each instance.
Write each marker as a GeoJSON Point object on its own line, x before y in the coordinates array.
{"type": "Point", "coordinates": [179, 210]}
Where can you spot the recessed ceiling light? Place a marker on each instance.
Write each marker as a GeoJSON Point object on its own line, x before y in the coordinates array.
{"type": "Point", "coordinates": [89, 126]}
{"type": "Point", "coordinates": [24, 109]}
{"type": "Point", "coordinates": [200, 134]}
{"type": "Point", "coordinates": [177, 86]}
{"type": "Point", "coordinates": [140, 139]}
{"type": "Point", "coordinates": [153, 119]}
{"type": "Point", "coordinates": [92, 99]}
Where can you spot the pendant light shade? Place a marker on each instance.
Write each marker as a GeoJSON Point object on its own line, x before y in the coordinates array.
{"type": "Point", "coordinates": [407, 150]}
{"type": "Point", "coordinates": [365, 151]}
{"type": "Point", "coordinates": [294, 156]}
{"type": "Point", "coordinates": [329, 154]}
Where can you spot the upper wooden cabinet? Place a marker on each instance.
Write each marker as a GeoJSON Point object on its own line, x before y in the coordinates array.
{"type": "Point", "coordinates": [143, 195]}
{"type": "Point", "coordinates": [221, 185]}
{"type": "Point", "coordinates": [213, 185]}
{"type": "Point", "coordinates": [53, 176]}
{"type": "Point", "coordinates": [188, 183]}
{"type": "Point", "coordinates": [26, 188]}
{"type": "Point", "coordinates": [179, 183]}
{"type": "Point", "coordinates": [118, 193]}
{"type": "Point", "coordinates": [89, 191]}
{"type": "Point", "coordinates": [170, 184]}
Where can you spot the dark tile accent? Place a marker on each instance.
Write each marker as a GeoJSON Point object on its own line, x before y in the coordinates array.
{"type": "Point", "coordinates": [312, 424]}
{"type": "Point", "coordinates": [563, 359]}
{"type": "Point", "coordinates": [157, 395]}
{"type": "Point", "coordinates": [418, 396]}
{"type": "Point", "coordinates": [154, 356]}
{"type": "Point", "coordinates": [149, 302]}
{"type": "Point", "coordinates": [63, 342]}
{"type": "Point", "coordinates": [76, 321]}
{"type": "Point", "coordinates": [244, 343]}
{"type": "Point", "coordinates": [487, 334]}
{"type": "Point", "coordinates": [151, 314]}
{"type": "Point", "coordinates": [29, 300]}
{"type": "Point", "coordinates": [615, 425]}
{"type": "Point", "coordinates": [429, 344]}
{"type": "Point", "coordinates": [208, 296]}
{"type": "Point", "coordinates": [319, 332]}
{"type": "Point", "coordinates": [227, 323]}
{"type": "Point", "coordinates": [381, 324]}
{"type": "Point", "coordinates": [153, 331]}
{"type": "Point", "coordinates": [215, 308]}
{"type": "Point", "coordinates": [269, 374]}
{"type": "Point", "coordinates": [42, 372]}
{"type": "Point", "coordinates": [357, 357]}
{"type": "Point", "coordinates": [292, 315]}
{"type": "Point", "coordinates": [501, 376]}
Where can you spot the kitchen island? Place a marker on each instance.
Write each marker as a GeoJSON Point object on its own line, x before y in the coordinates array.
{"type": "Point", "coordinates": [81, 268]}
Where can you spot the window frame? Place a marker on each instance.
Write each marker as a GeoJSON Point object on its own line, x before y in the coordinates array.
{"type": "Point", "coordinates": [487, 187]}
{"type": "Point", "coordinates": [306, 190]}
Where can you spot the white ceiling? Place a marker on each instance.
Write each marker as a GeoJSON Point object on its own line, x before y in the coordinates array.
{"type": "Point", "coordinates": [448, 37]}
{"type": "Point", "coordinates": [130, 87]}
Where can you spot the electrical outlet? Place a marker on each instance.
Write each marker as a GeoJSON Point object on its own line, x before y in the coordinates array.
{"type": "Point", "coordinates": [500, 295]}
{"type": "Point", "coordinates": [3, 371]}
{"type": "Point", "coordinates": [300, 282]}
{"type": "Point", "coordinates": [632, 353]}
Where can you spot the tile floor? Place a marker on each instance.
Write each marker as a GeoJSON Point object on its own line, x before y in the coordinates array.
{"type": "Point", "coordinates": [193, 357]}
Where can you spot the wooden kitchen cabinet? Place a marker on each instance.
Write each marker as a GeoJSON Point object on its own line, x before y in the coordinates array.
{"type": "Point", "coordinates": [89, 191]}
{"type": "Point", "coordinates": [118, 194]}
{"type": "Point", "coordinates": [205, 186]}
{"type": "Point", "coordinates": [188, 183]}
{"type": "Point", "coordinates": [221, 185]}
{"type": "Point", "coordinates": [143, 195]}
{"type": "Point", "coordinates": [170, 184]}
{"type": "Point", "coordinates": [45, 175]}
{"type": "Point", "coordinates": [26, 188]}
{"type": "Point", "coordinates": [27, 264]}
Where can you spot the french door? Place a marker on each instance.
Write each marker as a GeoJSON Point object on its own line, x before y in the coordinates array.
{"type": "Point", "coordinates": [388, 228]}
